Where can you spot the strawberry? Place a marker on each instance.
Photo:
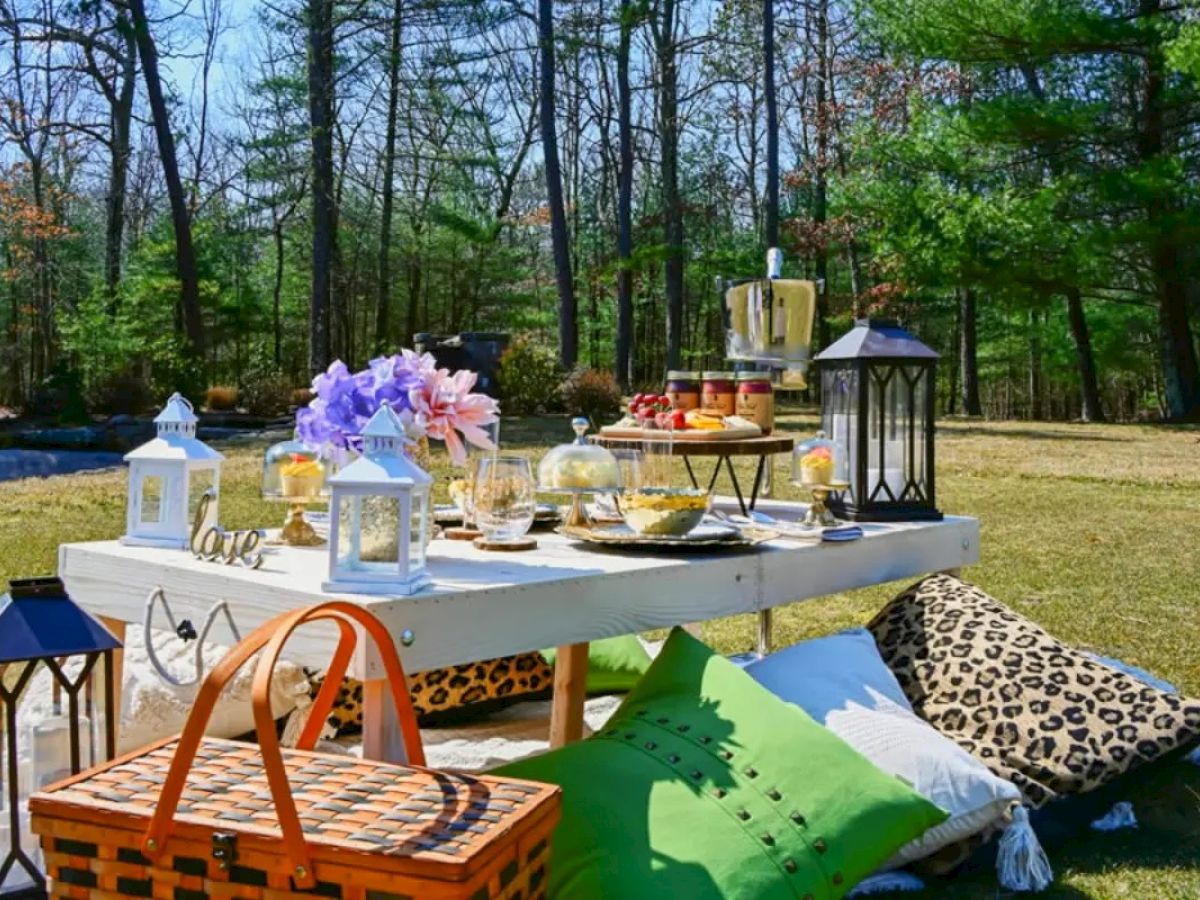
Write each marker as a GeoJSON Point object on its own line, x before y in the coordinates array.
{"type": "Point", "coordinates": [633, 407]}
{"type": "Point", "coordinates": [638, 398]}
{"type": "Point", "coordinates": [662, 420]}
{"type": "Point", "coordinates": [679, 420]}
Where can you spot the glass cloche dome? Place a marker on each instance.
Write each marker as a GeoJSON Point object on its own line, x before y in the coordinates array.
{"type": "Point", "coordinates": [818, 461]}
{"type": "Point", "coordinates": [293, 472]}
{"type": "Point", "coordinates": [579, 466]}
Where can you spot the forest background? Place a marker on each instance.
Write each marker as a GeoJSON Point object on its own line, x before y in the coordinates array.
{"type": "Point", "coordinates": [197, 193]}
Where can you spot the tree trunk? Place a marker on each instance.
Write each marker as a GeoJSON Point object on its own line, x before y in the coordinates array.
{"type": "Point", "coordinates": [324, 236]}
{"type": "Point", "coordinates": [772, 201]}
{"type": "Point", "coordinates": [568, 326]}
{"type": "Point", "coordinates": [383, 299]}
{"type": "Point", "coordinates": [820, 199]}
{"type": "Point", "coordinates": [122, 116]}
{"type": "Point", "coordinates": [185, 254]}
{"type": "Point", "coordinates": [414, 285]}
{"type": "Point", "coordinates": [968, 361]}
{"type": "Point", "coordinates": [672, 206]}
{"type": "Point", "coordinates": [1036, 406]}
{"type": "Point", "coordinates": [276, 294]}
{"type": "Point", "coordinates": [1089, 387]}
{"type": "Point", "coordinates": [1177, 350]}
{"type": "Point", "coordinates": [625, 204]}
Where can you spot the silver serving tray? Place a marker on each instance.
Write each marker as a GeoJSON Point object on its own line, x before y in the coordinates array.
{"type": "Point", "coordinates": [703, 536]}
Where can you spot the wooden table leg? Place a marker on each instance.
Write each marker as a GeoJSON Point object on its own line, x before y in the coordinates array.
{"type": "Point", "coordinates": [117, 627]}
{"type": "Point", "coordinates": [570, 690]}
{"type": "Point", "coordinates": [382, 739]}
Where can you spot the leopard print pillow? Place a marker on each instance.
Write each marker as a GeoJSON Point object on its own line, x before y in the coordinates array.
{"type": "Point", "coordinates": [454, 693]}
{"type": "Point", "coordinates": [1032, 709]}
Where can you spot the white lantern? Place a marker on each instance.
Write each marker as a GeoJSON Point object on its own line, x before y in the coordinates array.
{"type": "Point", "coordinates": [168, 476]}
{"type": "Point", "coordinates": [379, 515]}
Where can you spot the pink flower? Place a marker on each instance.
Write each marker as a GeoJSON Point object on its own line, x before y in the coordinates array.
{"type": "Point", "coordinates": [444, 406]}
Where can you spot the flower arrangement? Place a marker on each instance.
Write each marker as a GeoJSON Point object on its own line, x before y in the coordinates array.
{"type": "Point", "coordinates": [431, 402]}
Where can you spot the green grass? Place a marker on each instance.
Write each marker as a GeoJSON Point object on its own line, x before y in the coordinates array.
{"type": "Point", "coordinates": [1090, 530]}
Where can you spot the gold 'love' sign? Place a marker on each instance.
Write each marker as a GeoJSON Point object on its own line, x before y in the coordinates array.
{"type": "Point", "coordinates": [218, 545]}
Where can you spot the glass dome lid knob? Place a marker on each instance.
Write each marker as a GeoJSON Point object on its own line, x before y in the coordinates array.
{"type": "Point", "coordinates": [580, 425]}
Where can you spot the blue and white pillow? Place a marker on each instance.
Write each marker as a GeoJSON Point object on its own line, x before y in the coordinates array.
{"type": "Point", "coordinates": [842, 681]}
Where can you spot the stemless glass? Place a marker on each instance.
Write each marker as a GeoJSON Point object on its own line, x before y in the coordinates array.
{"type": "Point", "coordinates": [630, 463]}
{"type": "Point", "coordinates": [503, 497]}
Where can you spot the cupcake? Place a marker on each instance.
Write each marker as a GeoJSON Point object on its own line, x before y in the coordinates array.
{"type": "Point", "coordinates": [816, 466]}
{"type": "Point", "coordinates": [301, 478]}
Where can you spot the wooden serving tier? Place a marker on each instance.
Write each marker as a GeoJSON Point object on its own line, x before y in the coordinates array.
{"type": "Point", "coordinates": [762, 446]}
{"type": "Point", "coordinates": [759, 445]}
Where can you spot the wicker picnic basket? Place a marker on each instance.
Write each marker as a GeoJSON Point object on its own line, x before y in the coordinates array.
{"type": "Point", "coordinates": [265, 822]}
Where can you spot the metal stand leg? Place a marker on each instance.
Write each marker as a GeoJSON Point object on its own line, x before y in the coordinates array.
{"type": "Point", "coordinates": [764, 632]}
{"type": "Point", "coordinates": [758, 479]}
{"type": "Point", "coordinates": [692, 474]}
{"type": "Point", "coordinates": [737, 488]}
{"type": "Point", "coordinates": [716, 471]}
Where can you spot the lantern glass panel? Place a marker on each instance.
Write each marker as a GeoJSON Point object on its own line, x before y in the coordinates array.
{"type": "Point", "coordinates": [153, 489]}
{"type": "Point", "coordinates": [419, 525]}
{"type": "Point", "coordinates": [349, 513]}
{"type": "Point", "coordinates": [918, 382]}
{"type": "Point", "coordinates": [885, 444]}
{"type": "Point", "coordinates": [839, 393]}
{"type": "Point", "coordinates": [380, 537]}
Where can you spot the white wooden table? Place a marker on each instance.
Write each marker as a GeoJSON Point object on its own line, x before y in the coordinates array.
{"type": "Point", "coordinates": [485, 605]}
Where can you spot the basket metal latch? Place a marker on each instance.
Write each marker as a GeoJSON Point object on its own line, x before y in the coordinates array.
{"type": "Point", "coordinates": [224, 849]}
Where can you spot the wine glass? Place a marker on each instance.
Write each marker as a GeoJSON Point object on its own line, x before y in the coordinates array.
{"type": "Point", "coordinates": [503, 498]}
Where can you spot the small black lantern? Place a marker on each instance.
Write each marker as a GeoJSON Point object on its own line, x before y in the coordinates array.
{"type": "Point", "coordinates": [877, 395]}
{"type": "Point", "coordinates": [41, 625]}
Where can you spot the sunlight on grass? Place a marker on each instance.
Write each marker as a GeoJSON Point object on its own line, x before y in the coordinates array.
{"type": "Point", "coordinates": [1091, 530]}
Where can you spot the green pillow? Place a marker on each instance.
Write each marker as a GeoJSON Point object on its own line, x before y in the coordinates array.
{"type": "Point", "coordinates": [615, 664]}
{"type": "Point", "coordinates": [704, 784]}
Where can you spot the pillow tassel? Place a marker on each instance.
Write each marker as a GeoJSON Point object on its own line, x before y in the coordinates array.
{"type": "Point", "coordinates": [1021, 864]}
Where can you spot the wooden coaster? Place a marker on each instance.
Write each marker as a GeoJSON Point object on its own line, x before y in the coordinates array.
{"type": "Point", "coordinates": [462, 534]}
{"type": "Point", "coordinates": [525, 543]}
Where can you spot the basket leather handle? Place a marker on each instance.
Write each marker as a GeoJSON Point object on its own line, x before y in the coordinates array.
{"type": "Point", "coordinates": [272, 636]}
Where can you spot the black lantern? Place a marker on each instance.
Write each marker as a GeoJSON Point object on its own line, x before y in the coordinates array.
{"type": "Point", "coordinates": [877, 395]}
{"type": "Point", "coordinates": [41, 625]}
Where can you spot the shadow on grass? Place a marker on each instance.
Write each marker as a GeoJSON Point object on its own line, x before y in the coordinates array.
{"type": "Point", "coordinates": [1166, 802]}
{"type": "Point", "coordinates": [1033, 432]}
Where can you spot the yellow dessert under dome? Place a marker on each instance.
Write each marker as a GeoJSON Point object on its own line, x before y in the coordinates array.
{"type": "Point", "coordinates": [815, 461]}
{"type": "Point", "coordinates": [579, 466]}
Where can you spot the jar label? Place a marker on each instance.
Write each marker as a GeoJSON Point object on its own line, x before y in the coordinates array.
{"type": "Point", "coordinates": [718, 403]}
{"type": "Point", "coordinates": [685, 400]}
{"type": "Point", "coordinates": [759, 408]}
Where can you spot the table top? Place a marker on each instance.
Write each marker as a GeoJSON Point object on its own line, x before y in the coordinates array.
{"type": "Point", "coordinates": [484, 605]}
{"type": "Point", "coordinates": [754, 446]}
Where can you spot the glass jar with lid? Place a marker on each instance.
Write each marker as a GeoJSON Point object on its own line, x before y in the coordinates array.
{"type": "Point", "coordinates": [717, 394]}
{"type": "Point", "coordinates": [756, 399]}
{"type": "Point", "coordinates": [683, 390]}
